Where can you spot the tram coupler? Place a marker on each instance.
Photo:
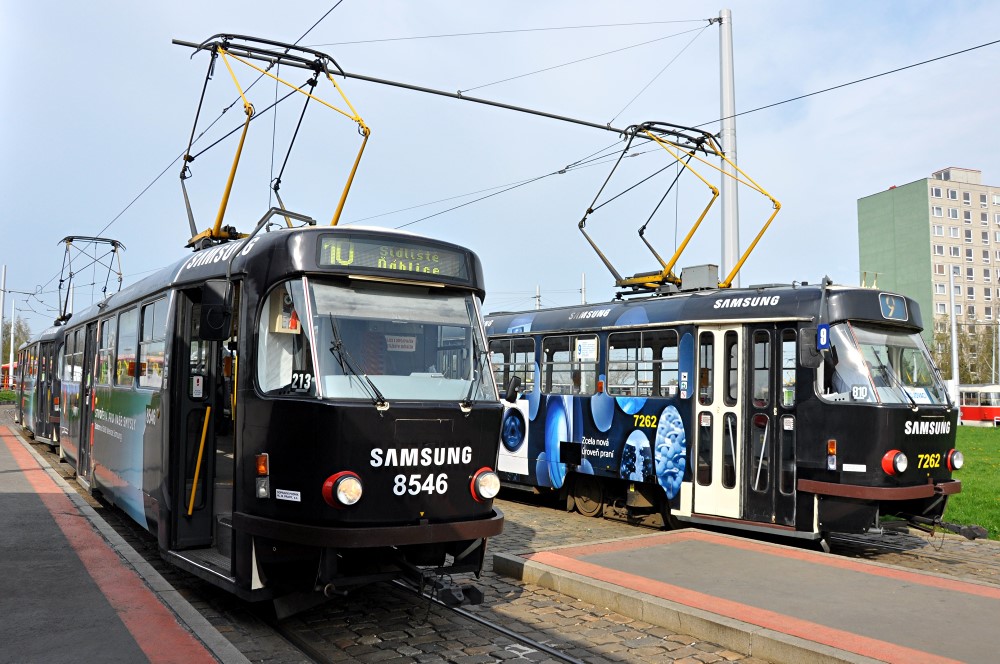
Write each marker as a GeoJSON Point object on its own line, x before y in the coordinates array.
{"type": "Point", "coordinates": [440, 587]}
{"type": "Point", "coordinates": [928, 525]}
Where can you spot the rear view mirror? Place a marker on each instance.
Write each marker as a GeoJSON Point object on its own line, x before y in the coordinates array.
{"type": "Point", "coordinates": [809, 356]}
{"type": "Point", "coordinates": [512, 389]}
{"type": "Point", "coordinates": [216, 311]}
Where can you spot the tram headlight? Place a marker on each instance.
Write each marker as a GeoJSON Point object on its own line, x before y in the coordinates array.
{"type": "Point", "coordinates": [955, 460]}
{"type": "Point", "coordinates": [342, 489]}
{"type": "Point", "coordinates": [485, 485]}
{"type": "Point", "coordinates": [894, 462]}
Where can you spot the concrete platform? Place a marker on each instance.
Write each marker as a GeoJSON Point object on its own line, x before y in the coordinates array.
{"type": "Point", "coordinates": [71, 590]}
{"type": "Point", "coordinates": [775, 602]}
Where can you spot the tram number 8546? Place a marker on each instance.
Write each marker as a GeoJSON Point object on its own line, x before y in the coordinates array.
{"type": "Point", "coordinates": [416, 484]}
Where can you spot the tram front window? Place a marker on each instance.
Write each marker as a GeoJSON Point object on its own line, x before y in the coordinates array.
{"type": "Point", "coordinates": [873, 365]}
{"type": "Point", "coordinates": [410, 343]}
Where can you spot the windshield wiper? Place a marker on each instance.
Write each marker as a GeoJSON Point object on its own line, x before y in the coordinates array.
{"type": "Point", "coordinates": [348, 366]}
{"type": "Point", "coordinates": [891, 378]}
{"type": "Point", "coordinates": [477, 361]}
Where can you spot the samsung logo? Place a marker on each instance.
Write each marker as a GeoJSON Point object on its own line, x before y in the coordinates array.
{"type": "Point", "coordinates": [747, 302]}
{"type": "Point", "coordinates": [593, 313]}
{"type": "Point", "coordinates": [420, 456]}
{"type": "Point", "coordinates": [926, 428]}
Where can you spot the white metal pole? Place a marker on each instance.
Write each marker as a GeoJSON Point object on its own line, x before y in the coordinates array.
{"type": "Point", "coordinates": [954, 333]}
{"type": "Point", "coordinates": [538, 297]}
{"type": "Point", "coordinates": [13, 317]}
{"type": "Point", "coordinates": [583, 288]}
{"type": "Point", "coordinates": [727, 139]}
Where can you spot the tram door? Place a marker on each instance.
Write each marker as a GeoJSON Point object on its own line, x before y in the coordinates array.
{"type": "Point", "coordinates": [718, 453]}
{"type": "Point", "coordinates": [193, 443]}
{"type": "Point", "coordinates": [769, 460]}
{"type": "Point", "coordinates": [86, 437]}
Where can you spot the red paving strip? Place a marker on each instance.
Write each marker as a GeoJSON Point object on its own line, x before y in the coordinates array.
{"type": "Point", "coordinates": [955, 585]}
{"type": "Point", "coordinates": [154, 628]}
{"type": "Point", "coordinates": [803, 629]}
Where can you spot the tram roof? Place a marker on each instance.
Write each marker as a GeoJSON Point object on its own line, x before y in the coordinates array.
{"type": "Point", "coordinates": [288, 250]}
{"type": "Point", "coordinates": [799, 302]}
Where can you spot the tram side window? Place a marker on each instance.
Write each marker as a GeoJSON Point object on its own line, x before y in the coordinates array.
{"type": "Point", "coordinates": [569, 364]}
{"type": "Point", "coordinates": [788, 350]}
{"type": "Point", "coordinates": [761, 368]}
{"type": "Point", "coordinates": [706, 368]}
{"type": "Point", "coordinates": [514, 357]}
{"type": "Point", "coordinates": [151, 345]}
{"type": "Point", "coordinates": [67, 357]}
{"type": "Point", "coordinates": [105, 354]}
{"type": "Point", "coordinates": [732, 368]}
{"type": "Point", "coordinates": [970, 398]}
{"type": "Point", "coordinates": [128, 327]}
{"type": "Point", "coordinates": [642, 363]}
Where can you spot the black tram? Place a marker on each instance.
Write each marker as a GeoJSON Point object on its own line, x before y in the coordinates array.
{"type": "Point", "coordinates": [304, 409]}
{"type": "Point", "coordinates": [39, 391]}
{"type": "Point", "coordinates": [798, 409]}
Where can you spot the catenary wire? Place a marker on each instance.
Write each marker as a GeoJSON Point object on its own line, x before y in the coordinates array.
{"type": "Point", "coordinates": [573, 62]}
{"type": "Point", "coordinates": [505, 32]}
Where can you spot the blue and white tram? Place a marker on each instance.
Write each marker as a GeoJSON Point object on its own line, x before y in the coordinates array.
{"type": "Point", "coordinates": [799, 409]}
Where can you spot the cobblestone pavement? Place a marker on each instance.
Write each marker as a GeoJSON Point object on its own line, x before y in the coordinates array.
{"type": "Point", "coordinates": [388, 624]}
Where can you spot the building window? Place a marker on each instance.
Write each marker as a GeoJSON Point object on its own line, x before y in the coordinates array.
{"type": "Point", "coordinates": [966, 198]}
{"type": "Point", "coordinates": [970, 311]}
{"type": "Point", "coordinates": [936, 192]}
{"type": "Point", "coordinates": [996, 199]}
{"type": "Point", "coordinates": [955, 252]}
{"type": "Point", "coordinates": [953, 213]}
{"type": "Point", "coordinates": [982, 200]}
{"type": "Point", "coordinates": [940, 308]}
{"type": "Point", "coordinates": [939, 250]}
{"type": "Point", "coordinates": [985, 237]}
{"type": "Point", "coordinates": [938, 212]}
{"type": "Point", "coordinates": [939, 268]}
{"type": "Point", "coordinates": [939, 289]}
{"type": "Point", "coordinates": [957, 290]}
{"type": "Point", "coordinates": [970, 293]}
{"type": "Point", "coordinates": [958, 310]}
{"type": "Point", "coordinates": [939, 231]}
{"type": "Point", "coordinates": [968, 236]}
{"type": "Point", "coordinates": [970, 274]}
{"type": "Point", "coordinates": [984, 218]}
{"type": "Point", "coordinates": [953, 194]}
{"type": "Point", "coordinates": [988, 313]}
{"type": "Point", "coordinates": [986, 255]}
{"type": "Point", "coordinates": [967, 216]}
{"type": "Point", "coordinates": [968, 255]}
{"type": "Point", "coordinates": [996, 219]}
{"type": "Point", "coordinates": [987, 293]}
{"type": "Point", "coordinates": [953, 232]}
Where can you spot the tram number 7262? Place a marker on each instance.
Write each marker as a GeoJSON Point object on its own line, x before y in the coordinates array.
{"type": "Point", "coordinates": [928, 461]}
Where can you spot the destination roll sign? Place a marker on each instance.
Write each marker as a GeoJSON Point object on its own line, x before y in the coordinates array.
{"type": "Point", "coordinates": [408, 257]}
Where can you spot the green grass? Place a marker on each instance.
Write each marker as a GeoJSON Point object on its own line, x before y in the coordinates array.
{"type": "Point", "coordinates": [979, 501]}
{"type": "Point", "coordinates": [7, 395]}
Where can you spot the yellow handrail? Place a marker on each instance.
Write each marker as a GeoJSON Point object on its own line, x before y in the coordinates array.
{"type": "Point", "coordinates": [197, 466]}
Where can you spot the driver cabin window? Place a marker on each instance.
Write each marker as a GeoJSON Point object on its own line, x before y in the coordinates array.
{"type": "Point", "coordinates": [514, 357]}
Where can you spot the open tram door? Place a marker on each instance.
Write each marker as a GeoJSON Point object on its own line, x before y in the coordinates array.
{"type": "Point", "coordinates": [769, 458]}
{"type": "Point", "coordinates": [718, 453]}
{"type": "Point", "coordinates": [200, 453]}
{"type": "Point", "coordinates": [86, 430]}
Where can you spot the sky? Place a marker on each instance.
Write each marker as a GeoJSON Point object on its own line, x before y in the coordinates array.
{"type": "Point", "coordinates": [97, 103]}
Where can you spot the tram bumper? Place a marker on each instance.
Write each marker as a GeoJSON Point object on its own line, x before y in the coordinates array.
{"type": "Point", "coordinates": [851, 508]}
{"type": "Point", "coordinates": [361, 537]}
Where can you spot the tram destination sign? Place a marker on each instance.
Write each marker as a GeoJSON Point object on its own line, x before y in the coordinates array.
{"type": "Point", "coordinates": [396, 257]}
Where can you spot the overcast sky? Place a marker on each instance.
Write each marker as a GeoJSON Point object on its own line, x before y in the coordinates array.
{"type": "Point", "coordinates": [97, 103]}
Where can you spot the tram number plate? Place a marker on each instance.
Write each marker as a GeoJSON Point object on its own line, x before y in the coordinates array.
{"type": "Point", "coordinates": [302, 381]}
{"type": "Point", "coordinates": [417, 484]}
{"type": "Point", "coordinates": [928, 461]}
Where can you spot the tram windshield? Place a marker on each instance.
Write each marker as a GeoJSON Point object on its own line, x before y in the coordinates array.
{"type": "Point", "coordinates": [367, 340]}
{"type": "Point", "coordinates": [879, 366]}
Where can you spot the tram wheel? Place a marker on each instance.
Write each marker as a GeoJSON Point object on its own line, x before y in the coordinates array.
{"type": "Point", "coordinates": [588, 495]}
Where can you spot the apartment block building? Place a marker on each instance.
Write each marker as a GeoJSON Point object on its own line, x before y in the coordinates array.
{"type": "Point", "coordinates": [911, 235]}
